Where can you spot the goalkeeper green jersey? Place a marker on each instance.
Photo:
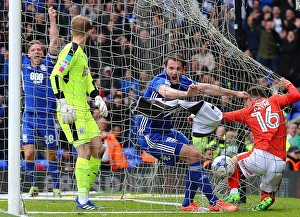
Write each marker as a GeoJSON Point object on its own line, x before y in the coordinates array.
{"type": "Point", "coordinates": [71, 78]}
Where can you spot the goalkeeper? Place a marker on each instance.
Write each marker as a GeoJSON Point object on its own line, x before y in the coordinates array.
{"type": "Point", "coordinates": [157, 136]}
{"type": "Point", "coordinates": [265, 119]}
{"type": "Point", "coordinates": [71, 81]}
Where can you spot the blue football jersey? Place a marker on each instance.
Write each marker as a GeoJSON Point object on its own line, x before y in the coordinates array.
{"type": "Point", "coordinates": [159, 125]}
{"type": "Point", "coordinates": [39, 96]}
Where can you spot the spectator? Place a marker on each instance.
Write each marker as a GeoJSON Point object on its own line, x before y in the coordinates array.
{"type": "Point", "coordinates": [4, 73]}
{"type": "Point", "coordinates": [143, 81]}
{"type": "Point", "coordinates": [231, 147]}
{"type": "Point", "coordinates": [200, 143]}
{"type": "Point", "coordinates": [3, 129]}
{"type": "Point", "coordinates": [249, 141]}
{"type": "Point", "coordinates": [113, 158]}
{"type": "Point", "coordinates": [68, 13]}
{"type": "Point", "coordinates": [4, 18]}
{"type": "Point", "coordinates": [254, 9]}
{"type": "Point", "coordinates": [129, 83]}
{"type": "Point", "coordinates": [142, 51]}
{"type": "Point", "coordinates": [107, 83]}
{"type": "Point", "coordinates": [293, 159]}
{"type": "Point", "coordinates": [38, 117]}
{"type": "Point", "coordinates": [284, 5]}
{"type": "Point", "coordinates": [291, 133]}
{"type": "Point", "coordinates": [278, 23]}
{"type": "Point", "coordinates": [289, 57]}
{"type": "Point", "coordinates": [90, 10]}
{"type": "Point", "coordinates": [296, 138]}
{"type": "Point", "coordinates": [218, 142]}
{"type": "Point", "coordinates": [36, 5]}
{"type": "Point", "coordinates": [117, 109]}
{"type": "Point", "coordinates": [40, 27]}
{"type": "Point", "coordinates": [204, 59]}
{"type": "Point", "coordinates": [289, 21]}
{"type": "Point", "coordinates": [268, 49]}
{"type": "Point", "coordinates": [117, 131]}
{"type": "Point", "coordinates": [209, 156]}
{"type": "Point", "coordinates": [295, 112]}
{"type": "Point", "coordinates": [251, 38]}
{"type": "Point", "coordinates": [92, 52]}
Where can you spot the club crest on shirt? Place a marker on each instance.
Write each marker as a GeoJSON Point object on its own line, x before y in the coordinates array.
{"type": "Point", "coordinates": [81, 130]}
{"type": "Point", "coordinates": [24, 138]}
{"type": "Point", "coordinates": [85, 71]}
{"type": "Point", "coordinates": [167, 82]}
{"type": "Point", "coordinates": [43, 68]}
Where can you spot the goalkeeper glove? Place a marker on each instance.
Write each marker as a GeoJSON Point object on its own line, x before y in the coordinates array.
{"type": "Point", "coordinates": [68, 114]}
{"type": "Point", "coordinates": [99, 102]}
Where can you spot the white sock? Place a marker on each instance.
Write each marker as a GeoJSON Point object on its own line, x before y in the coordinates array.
{"type": "Point", "coordinates": [82, 199]}
{"type": "Point", "coordinates": [234, 191]}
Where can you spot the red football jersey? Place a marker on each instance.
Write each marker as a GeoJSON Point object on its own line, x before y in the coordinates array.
{"type": "Point", "coordinates": [266, 121]}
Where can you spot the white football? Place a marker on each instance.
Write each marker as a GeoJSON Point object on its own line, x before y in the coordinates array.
{"type": "Point", "coordinates": [222, 166]}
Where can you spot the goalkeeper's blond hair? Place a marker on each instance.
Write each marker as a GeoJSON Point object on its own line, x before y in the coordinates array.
{"type": "Point", "coordinates": [81, 25]}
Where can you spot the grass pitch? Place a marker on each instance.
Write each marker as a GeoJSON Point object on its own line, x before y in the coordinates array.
{"type": "Point", "coordinates": [142, 207]}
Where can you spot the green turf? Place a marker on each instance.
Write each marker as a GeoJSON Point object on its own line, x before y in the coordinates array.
{"type": "Point", "coordinates": [289, 207]}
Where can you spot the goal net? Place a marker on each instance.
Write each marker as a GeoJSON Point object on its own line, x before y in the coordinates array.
{"type": "Point", "coordinates": [126, 49]}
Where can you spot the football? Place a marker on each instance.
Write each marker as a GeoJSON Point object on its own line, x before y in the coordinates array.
{"type": "Point", "coordinates": [222, 166]}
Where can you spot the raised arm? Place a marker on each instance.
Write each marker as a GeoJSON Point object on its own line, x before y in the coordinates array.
{"type": "Point", "coordinates": [53, 31]}
{"type": "Point", "coordinates": [292, 96]}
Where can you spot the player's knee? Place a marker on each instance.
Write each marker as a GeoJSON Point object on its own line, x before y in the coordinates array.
{"type": "Point", "coordinates": [29, 155]}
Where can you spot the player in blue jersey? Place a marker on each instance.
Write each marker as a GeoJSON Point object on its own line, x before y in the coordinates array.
{"type": "Point", "coordinates": [157, 136]}
{"type": "Point", "coordinates": [38, 121]}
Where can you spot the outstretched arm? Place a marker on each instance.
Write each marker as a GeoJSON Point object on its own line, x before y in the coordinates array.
{"type": "Point", "coordinates": [171, 93]}
{"type": "Point", "coordinates": [53, 31]}
{"type": "Point", "coordinates": [215, 90]}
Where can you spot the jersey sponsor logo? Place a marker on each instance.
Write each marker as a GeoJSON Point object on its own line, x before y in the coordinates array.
{"type": "Point", "coordinates": [43, 68]}
{"type": "Point", "coordinates": [81, 130]}
{"type": "Point", "coordinates": [85, 71]}
{"type": "Point", "coordinates": [165, 157]}
{"type": "Point", "coordinates": [65, 63]}
{"type": "Point", "coordinates": [36, 78]}
{"type": "Point", "coordinates": [260, 105]}
{"type": "Point", "coordinates": [170, 139]}
{"type": "Point", "coordinates": [24, 138]}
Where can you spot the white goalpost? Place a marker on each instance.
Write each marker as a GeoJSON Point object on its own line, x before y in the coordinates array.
{"type": "Point", "coordinates": [134, 35]}
{"type": "Point", "coordinates": [14, 109]}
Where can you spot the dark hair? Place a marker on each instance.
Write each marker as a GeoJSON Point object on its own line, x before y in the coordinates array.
{"type": "Point", "coordinates": [208, 149]}
{"type": "Point", "coordinates": [257, 92]}
{"type": "Point", "coordinates": [175, 57]}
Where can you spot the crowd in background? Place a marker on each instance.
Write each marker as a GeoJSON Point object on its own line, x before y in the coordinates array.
{"type": "Point", "coordinates": [118, 43]}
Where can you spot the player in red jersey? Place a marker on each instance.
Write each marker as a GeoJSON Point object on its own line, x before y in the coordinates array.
{"type": "Point", "coordinates": [266, 121]}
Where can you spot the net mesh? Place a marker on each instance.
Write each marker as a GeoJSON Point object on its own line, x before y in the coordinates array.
{"type": "Point", "coordinates": [136, 36]}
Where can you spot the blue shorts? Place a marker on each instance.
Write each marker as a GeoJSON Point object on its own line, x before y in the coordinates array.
{"type": "Point", "coordinates": [164, 146]}
{"type": "Point", "coordinates": [39, 126]}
